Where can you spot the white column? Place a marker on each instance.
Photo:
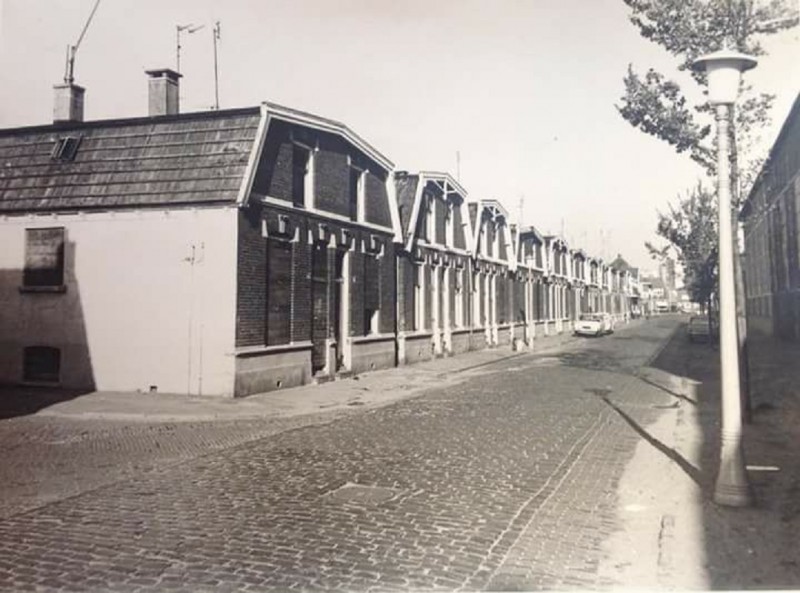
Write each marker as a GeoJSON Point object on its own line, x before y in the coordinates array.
{"type": "Point", "coordinates": [436, 317]}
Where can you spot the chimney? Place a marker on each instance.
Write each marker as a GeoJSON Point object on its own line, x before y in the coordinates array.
{"type": "Point", "coordinates": [163, 99]}
{"type": "Point", "coordinates": [68, 105]}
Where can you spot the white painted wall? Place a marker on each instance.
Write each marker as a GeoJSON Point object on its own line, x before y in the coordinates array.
{"type": "Point", "coordinates": [138, 311]}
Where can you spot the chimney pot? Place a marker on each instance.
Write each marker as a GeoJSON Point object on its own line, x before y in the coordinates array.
{"type": "Point", "coordinates": [163, 93]}
{"type": "Point", "coordinates": [68, 105]}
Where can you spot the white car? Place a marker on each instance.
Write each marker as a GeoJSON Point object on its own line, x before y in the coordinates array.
{"type": "Point", "coordinates": [592, 324]}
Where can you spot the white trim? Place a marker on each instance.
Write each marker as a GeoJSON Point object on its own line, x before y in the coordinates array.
{"type": "Point", "coordinates": [287, 205]}
{"type": "Point", "coordinates": [326, 125]}
{"type": "Point", "coordinates": [412, 221]}
{"type": "Point", "coordinates": [252, 160]}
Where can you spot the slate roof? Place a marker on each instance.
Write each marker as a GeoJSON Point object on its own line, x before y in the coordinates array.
{"type": "Point", "coordinates": [191, 158]}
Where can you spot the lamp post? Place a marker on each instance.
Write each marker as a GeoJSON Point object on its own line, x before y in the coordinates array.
{"type": "Point", "coordinates": [724, 69]}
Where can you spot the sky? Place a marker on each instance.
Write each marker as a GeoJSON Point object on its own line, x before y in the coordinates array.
{"type": "Point", "coordinates": [516, 98]}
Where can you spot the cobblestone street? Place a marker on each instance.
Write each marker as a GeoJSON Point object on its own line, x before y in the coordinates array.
{"type": "Point", "coordinates": [504, 480]}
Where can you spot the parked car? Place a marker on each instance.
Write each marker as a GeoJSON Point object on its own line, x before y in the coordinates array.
{"type": "Point", "coordinates": [591, 324]}
{"type": "Point", "coordinates": [698, 329]}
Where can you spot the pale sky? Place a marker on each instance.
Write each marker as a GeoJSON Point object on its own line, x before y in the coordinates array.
{"type": "Point", "coordinates": [524, 90]}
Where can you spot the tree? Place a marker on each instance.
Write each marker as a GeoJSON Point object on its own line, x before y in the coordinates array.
{"type": "Point", "coordinates": [657, 106]}
{"type": "Point", "coordinates": [690, 229]}
{"type": "Point", "coordinates": [688, 29]}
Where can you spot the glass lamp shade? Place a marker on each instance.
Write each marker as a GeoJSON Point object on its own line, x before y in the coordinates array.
{"type": "Point", "coordinates": [724, 69]}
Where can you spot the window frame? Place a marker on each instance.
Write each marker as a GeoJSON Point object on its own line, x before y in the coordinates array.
{"type": "Point", "coordinates": [60, 257]}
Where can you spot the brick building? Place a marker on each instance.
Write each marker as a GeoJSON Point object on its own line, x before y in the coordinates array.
{"type": "Point", "coordinates": [494, 266]}
{"type": "Point", "coordinates": [239, 251]}
{"type": "Point", "coordinates": [221, 252]}
{"type": "Point", "coordinates": [434, 267]}
{"type": "Point", "coordinates": [316, 263]}
{"type": "Point", "coordinates": [771, 219]}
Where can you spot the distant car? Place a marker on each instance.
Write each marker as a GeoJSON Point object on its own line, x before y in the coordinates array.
{"type": "Point", "coordinates": [608, 322]}
{"type": "Point", "coordinates": [591, 324]}
{"type": "Point", "coordinates": [698, 329]}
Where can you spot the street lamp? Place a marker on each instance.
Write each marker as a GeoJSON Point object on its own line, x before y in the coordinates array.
{"type": "Point", "coordinates": [724, 69]}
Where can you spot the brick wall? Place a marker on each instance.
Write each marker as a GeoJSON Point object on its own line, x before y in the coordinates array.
{"type": "Point", "coordinates": [388, 278]}
{"type": "Point", "coordinates": [251, 288]}
{"type": "Point", "coordinates": [377, 198]}
{"type": "Point", "coordinates": [301, 286]}
{"type": "Point", "coordinates": [332, 181]}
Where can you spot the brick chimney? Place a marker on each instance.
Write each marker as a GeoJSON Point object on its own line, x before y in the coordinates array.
{"type": "Point", "coordinates": [68, 104]}
{"type": "Point", "coordinates": [163, 96]}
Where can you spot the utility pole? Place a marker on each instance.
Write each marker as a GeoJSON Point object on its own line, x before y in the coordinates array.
{"type": "Point", "coordinates": [216, 70]}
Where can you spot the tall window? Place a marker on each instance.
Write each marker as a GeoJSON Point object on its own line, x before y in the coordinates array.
{"type": "Point", "coordinates": [356, 194]}
{"type": "Point", "coordinates": [44, 258]}
{"type": "Point", "coordinates": [302, 174]}
{"type": "Point", "coordinates": [279, 292]}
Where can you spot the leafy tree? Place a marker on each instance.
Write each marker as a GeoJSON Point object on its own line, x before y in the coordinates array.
{"type": "Point", "coordinates": [657, 106]}
{"type": "Point", "coordinates": [688, 29]}
{"type": "Point", "coordinates": [690, 229]}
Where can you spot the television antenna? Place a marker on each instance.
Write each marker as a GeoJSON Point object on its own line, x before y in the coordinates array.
{"type": "Point", "coordinates": [69, 74]}
{"type": "Point", "coordinates": [190, 28]}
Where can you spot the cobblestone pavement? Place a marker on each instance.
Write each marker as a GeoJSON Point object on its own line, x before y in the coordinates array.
{"type": "Point", "coordinates": [506, 481]}
{"type": "Point", "coordinates": [48, 459]}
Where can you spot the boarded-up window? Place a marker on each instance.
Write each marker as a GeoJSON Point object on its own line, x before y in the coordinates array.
{"type": "Point", "coordinates": [279, 291]}
{"type": "Point", "coordinates": [41, 364]}
{"type": "Point", "coordinates": [44, 257]}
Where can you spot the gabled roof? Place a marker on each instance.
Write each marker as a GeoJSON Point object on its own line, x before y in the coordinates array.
{"type": "Point", "coordinates": [496, 210]}
{"type": "Point", "coordinates": [192, 158]}
{"type": "Point", "coordinates": [556, 240]}
{"type": "Point", "coordinates": [448, 186]}
{"type": "Point", "coordinates": [531, 231]}
{"type": "Point", "coordinates": [168, 160]}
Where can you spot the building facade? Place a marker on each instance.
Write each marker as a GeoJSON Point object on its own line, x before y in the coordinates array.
{"type": "Point", "coordinates": [241, 251]}
{"type": "Point", "coordinates": [771, 219]}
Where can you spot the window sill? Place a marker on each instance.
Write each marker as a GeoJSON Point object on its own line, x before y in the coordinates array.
{"type": "Point", "coordinates": [246, 351]}
{"type": "Point", "coordinates": [371, 338]}
{"type": "Point", "coordinates": [43, 289]}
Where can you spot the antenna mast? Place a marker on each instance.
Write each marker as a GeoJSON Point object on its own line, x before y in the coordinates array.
{"type": "Point", "coordinates": [69, 74]}
{"type": "Point", "coordinates": [216, 70]}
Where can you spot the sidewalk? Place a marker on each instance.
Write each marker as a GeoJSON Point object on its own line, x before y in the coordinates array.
{"type": "Point", "coordinates": [675, 536]}
{"type": "Point", "coordinates": [374, 389]}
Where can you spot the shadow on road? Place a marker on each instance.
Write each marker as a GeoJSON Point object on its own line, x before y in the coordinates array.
{"type": "Point", "coordinates": [690, 470]}
{"type": "Point", "coordinates": [22, 401]}
{"type": "Point", "coordinates": [752, 547]}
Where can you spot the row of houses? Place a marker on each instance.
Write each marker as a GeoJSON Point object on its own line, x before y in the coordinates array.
{"type": "Point", "coordinates": [240, 251]}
